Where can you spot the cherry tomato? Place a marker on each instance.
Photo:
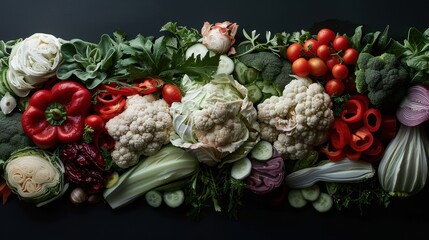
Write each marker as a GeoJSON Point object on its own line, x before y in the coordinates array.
{"type": "Point", "coordinates": [340, 71]}
{"type": "Point", "coordinates": [340, 43]}
{"type": "Point", "coordinates": [310, 47]}
{"type": "Point", "coordinates": [300, 67]}
{"type": "Point", "coordinates": [325, 36]}
{"type": "Point", "coordinates": [95, 122]}
{"type": "Point", "coordinates": [331, 61]}
{"type": "Point", "coordinates": [318, 67]}
{"type": "Point", "coordinates": [350, 56]}
{"type": "Point", "coordinates": [334, 86]}
{"type": "Point", "coordinates": [324, 51]}
{"type": "Point", "coordinates": [294, 51]}
{"type": "Point", "coordinates": [171, 93]}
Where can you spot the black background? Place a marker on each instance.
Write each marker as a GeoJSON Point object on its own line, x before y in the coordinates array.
{"type": "Point", "coordinates": [88, 20]}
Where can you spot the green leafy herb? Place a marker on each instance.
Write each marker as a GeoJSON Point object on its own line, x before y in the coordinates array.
{"type": "Point", "coordinates": [186, 36]}
{"type": "Point", "coordinates": [90, 62]}
{"type": "Point", "coordinates": [338, 103]}
{"type": "Point", "coordinates": [360, 194]}
{"type": "Point", "coordinates": [214, 187]}
{"type": "Point", "coordinates": [416, 55]}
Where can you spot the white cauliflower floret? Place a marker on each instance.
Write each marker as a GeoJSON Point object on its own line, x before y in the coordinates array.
{"type": "Point", "coordinates": [298, 120]}
{"type": "Point", "coordinates": [141, 129]}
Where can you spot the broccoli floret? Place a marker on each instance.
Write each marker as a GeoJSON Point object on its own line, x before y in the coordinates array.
{"type": "Point", "coordinates": [284, 78]}
{"type": "Point", "coordinates": [12, 136]}
{"type": "Point", "coordinates": [269, 64]}
{"type": "Point", "coordinates": [382, 78]}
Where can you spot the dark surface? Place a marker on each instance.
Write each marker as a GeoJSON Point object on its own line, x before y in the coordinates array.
{"type": "Point", "coordinates": [88, 20]}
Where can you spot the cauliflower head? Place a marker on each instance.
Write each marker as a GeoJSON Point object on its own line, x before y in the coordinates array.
{"type": "Point", "coordinates": [217, 122]}
{"type": "Point", "coordinates": [297, 120]}
{"type": "Point", "coordinates": [141, 129]}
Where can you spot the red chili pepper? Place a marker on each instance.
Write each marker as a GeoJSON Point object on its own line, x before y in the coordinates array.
{"type": "Point", "coordinates": [362, 139]}
{"type": "Point", "coordinates": [388, 127]}
{"type": "Point", "coordinates": [333, 154]}
{"type": "Point", "coordinates": [372, 119]}
{"type": "Point", "coordinates": [340, 134]}
{"type": "Point", "coordinates": [57, 115]}
{"type": "Point", "coordinates": [353, 111]}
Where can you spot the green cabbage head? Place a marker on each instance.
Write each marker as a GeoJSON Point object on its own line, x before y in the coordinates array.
{"type": "Point", "coordinates": [36, 176]}
{"type": "Point", "coordinates": [215, 121]}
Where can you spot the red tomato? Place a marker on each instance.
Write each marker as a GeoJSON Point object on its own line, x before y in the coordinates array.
{"type": "Point", "coordinates": [294, 51]}
{"type": "Point", "coordinates": [171, 93]}
{"type": "Point", "coordinates": [95, 122]}
{"type": "Point", "coordinates": [340, 43]}
{"type": "Point", "coordinates": [300, 67]}
{"type": "Point", "coordinates": [318, 67]}
{"type": "Point", "coordinates": [350, 56]}
{"type": "Point", "coordinates": [334, 86]}
{"type": "Point", "coordinates": [325, 36]}
{"type": "Point", "coordinates": [310, 47]}
{"type": "Point", "coordinates": [324, 51]}
{"type": "Point", "coordinates": [331, 61]}
{"type": "Point", "coordinates": [340, 71]}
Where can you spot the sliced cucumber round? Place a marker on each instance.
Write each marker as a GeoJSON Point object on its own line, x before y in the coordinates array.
{"type": "Point", "coordinates": [195, 50]}
{"type": "Point", "coordinates": [153, 198]}
{"type": "Point", "coordinates": [254, 93]}
{"type": "Point", "coordinates": [262, 151]}
{"type": "Point", "coordinates": [112, 180]}
{"type": "Point", "coordinates": [311, 193]}
{"type": "Point", "coordinates": [241, 168]}
{"type": "Point", "coordinates": [226, 65]}
{"type": "Point", "coordinates": [296, 199]}
{"type": "Point", "coordinates": [323, 203]}
{"type": "Point", "coordinates": [174, 199]}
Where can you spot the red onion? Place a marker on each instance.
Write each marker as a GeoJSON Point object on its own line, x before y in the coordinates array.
{"type": "Point", "coordinates": [266, 176]}
{"type": "Point", "coordinates": [414, 108]}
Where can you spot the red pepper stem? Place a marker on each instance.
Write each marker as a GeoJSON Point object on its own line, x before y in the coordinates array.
{"type": "Point", "coordinates": [56, 114]}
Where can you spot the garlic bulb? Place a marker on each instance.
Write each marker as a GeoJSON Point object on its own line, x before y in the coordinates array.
{"type": "Point", "coordinates": [404, 166]}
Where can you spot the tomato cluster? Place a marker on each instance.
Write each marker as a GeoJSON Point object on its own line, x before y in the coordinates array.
{"type": "Point", "coordinates": [327, 55]}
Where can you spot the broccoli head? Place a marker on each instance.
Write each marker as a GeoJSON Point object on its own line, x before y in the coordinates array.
{"type": "Point", "coordinates": [382, 78]}
{"type": "Point", "coordinates": [269, 64]}
{"type": "Point", "coordinates": [12, 136]}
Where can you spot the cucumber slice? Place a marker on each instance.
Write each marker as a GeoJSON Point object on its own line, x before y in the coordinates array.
{"type": "Point", "coordinates": [195, 50]}
{"type": "Point", "coordinates": [174, 199]}
{"type": "Point", "coordinates": [311, 193]}
{"type": "Point", "coordinates": [323, 203]}
{"type": "Point", "coordinates": [241, 169]}
{"type": "Point", "coordinates": [296, 199]}
{"type": "Point", "coordinates": [153, 198]}
{"type": "Point", "coordinates": [262, 151]}
{"type": "Point", "coordinates": [226, 65]}
{"type": "Point", "coordinates": [240, 72]}
{"type": "Point", "coordinates": [254, 93]}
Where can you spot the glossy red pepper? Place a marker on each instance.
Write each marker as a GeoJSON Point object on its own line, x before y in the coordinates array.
{"type": "Point", "coordinates": [333, 154]}
{"type": "Point", "coordinates": [374, 153]}
{"type": "Point", "coordinates": [58, 115]}
{"type": "Point", "coordinates": [149, 85]}
{"type": "Point", "coordinates": [109, 111]}
{"type": "Point", "coordinates": [362, 139]}
{"type": "Point", "coordinates": [372, 119]}
{"type": "Point", "coordinates": [388, 127]}
{"type": "Point", "coordinates": [352, 154]}
{"type": "Point", "coordinates": [353, 111]}
{"type": "Point", "coordinates": [108, 98]}
{"type": "Point", "coordinates": [340, 133]}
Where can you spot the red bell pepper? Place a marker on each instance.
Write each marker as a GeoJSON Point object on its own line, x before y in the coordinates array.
{"type": "Point", "coordinates": [353, 111]}
{"type": "Point", "coordinates": [375, 152]}
{"type": "Point", "coordinates": [388, 127]}
{"type": "Point", "coordinates": [362, 139]}
{"type": "Point", "coordinates": [332, 153]}
{"type": "Point", "coordinates": [340, 133]}
{"type": "Point", "coordinates": [352, 154]}
{"type": "Point", "coordinates": [58, 115]}
{"type": "Point", "coordinates": [372, 119]}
